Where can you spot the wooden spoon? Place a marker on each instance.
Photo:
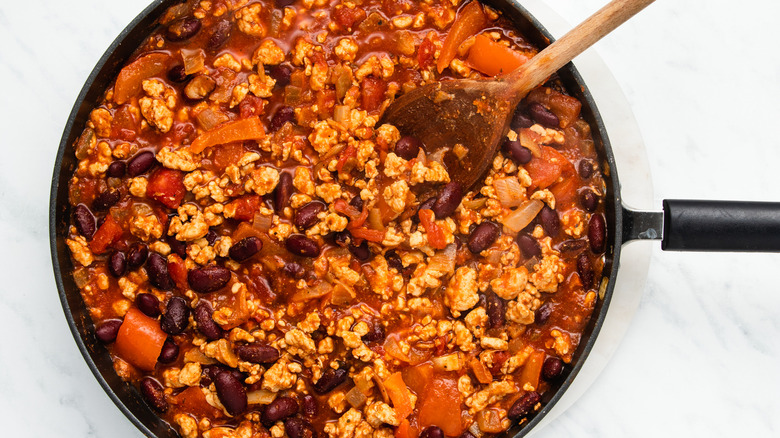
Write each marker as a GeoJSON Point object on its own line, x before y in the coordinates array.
{"type": "Point", "coordinates": [476, 113]}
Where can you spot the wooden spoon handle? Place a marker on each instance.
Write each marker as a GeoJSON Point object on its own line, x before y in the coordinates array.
{"type": "Point", "coordinates": [560, 52]}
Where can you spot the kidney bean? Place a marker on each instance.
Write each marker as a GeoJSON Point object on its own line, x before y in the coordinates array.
{"type": "Point", "coordinates": [585, 169]}
{"type": "Point", "coordinates": [148, 304]}
{"type": "Point", "coordinates": [208, 278]}
{"type": "Point", "coordinates": [552, 368]}
{"type": "Point", "coordinates": [176, 316]}
{"type": "Point", "coordinates": [283, 3]}
{"type": "Point", "coordinates": [495, 310]}
{"type": "Point", "coordinates": [169, 352]}
{"type": "Point", "coordinates": [572, 245]}
{"type": "Point", "coordinates": [448, 200]}
{"type": "Point", "coordinates": [301, 245]}
{"type": "Point", "coordinates": [231, 392]}
{"type": "Point", "coordinates": [517, 152]}
{"type": "Point", "coordinates": [245, 248]}
{"type": "Point", "coordinates": [523, 405]}
{"type": "Point", "coordinates": [106, 199]}
{"type": "Point", "coordinates": [394, 260]}
{"type": "Point", "coordinates": [597, 234]}
{"type": "Point", "coordinates": [589, 200]}
{"type": "Point", "coordinates": [361, 252]}
{"type": "Point", "coordinates": [550, 221]}
{"type": "Point", "coordinates": [211, 236]}
{"type": "Point", "coordinates": [206, 325]}
{"type": "Point", "coordinates": [282, 115]}
{"type": "Point", "coordinates": [543, 313]}
{"type": "Point", "coordinates": [309, 406]}
{"type": "Point", "coordinates": [342, 238]}
{"type": "Point", "coordinates": [108, 330]}
{"type": "Point", "coordinates": [306, 216]}
{"type": "Point", "coordinates": [220, 32]}
{"type": "Point", "coordinates": [282, 193]}
{"type": "Point", "coordinates": [257, 353]}
{"type": "Point", "coordinates": [182, 29]}
{"type": "Point", "coordinates": [528, 246]}
{"type": "Point", "coordinates": [279, 409]}
{"type": "Point", "coordinates": [521, 120]}
{"type": "Point", "coordinates": [376, 334]}
{"type": "Point", "coordinates": [117, 264]}
{"type": "Point", "coordinates": [154, 394]}
{"type": "Point", "coordinates": [137, 255]}
{"type": "Point", "coordinates": [432, 432]}
{"type": "Point", "coordinates": [543, 116]}
{"type": "Point", "coordinates": [294, 269]}
{"type": "Point", "coordinates": [116, 169]}
{"type": "Point", "coordinates": [178, 74]}
{"type": "Point", "coordinates": [585, 270]}
{"type": "Point", "coordinates": [329, 380]}
{"type": "Point", "coordinates": [483, 236]}
{"type": "Point", "coordinates": [356, 202]}
{"type": "Point", "coordinates": [84, 221]}
{"type": "Point", "coordinates": [141, 163]}
{"type": "Point", "coordinates": [177, 246]}
{"type": "Point", "coordinates": [407, 147]}
{"type": "Point", "coordinates": [299, 428]}
{"type": "Point", "coordinates": [280, 73]}
{"type": "Point", "coordinates": [157, 270]}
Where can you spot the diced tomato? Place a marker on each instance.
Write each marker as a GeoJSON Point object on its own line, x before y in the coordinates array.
{"type": "Point", "coordinates": [193, 401]}
{"type": "Point", "coordinates": [566, 191]}
{"type": "Point", "coordinates": [471, 19]}
{"type": "Point", "coordinates": [373, 93]}
{"type": "Point", "coordinates": [326, 100]}
{"type": "Point", "coordinates": [251, 106]}
{"type": "Point", "coordinates": [140, 340]}
{"type": "Point", "coordinates": [347, 17]}
{"type": "Point", "coordinates": [181, 133]}
{"type": "Point", "coordinates": [493, 58]}
{"type": "Point", "coordinates": [529, 377]}
{"type": "Point", "coordinates": [546, 169]}
{"type": "Point", "coordinates": [418, 377]}
{"type": "Point", "coordinates": [441, 406]}
{"type": "Point", "coordinates": [224, 155]}
{"type": "Point", "coordinates": [396, 7]}
{"type": "Point", "coordinates": [245, 207]}
{"type": "Point", "coordinates": [349, 152]}
{"type": "Point", "coordinates": [107, 234]}
{"type": "Point", "coordinates": [341, 206]}
{"type": "Point", "coordinates": [425, 53]}
{"type": "Point", "coordinates": [178, 271]}
{"type": "Point", "coordinates": [376, 236]}
{"type": "Point", "coordinates": [124, 125]}
{"type": "Point", "coordinates": [167, 187]}
{"type": "Point", "coordinates": [436, 237]}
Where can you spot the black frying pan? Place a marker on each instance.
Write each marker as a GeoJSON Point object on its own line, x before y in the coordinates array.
{"type": "Point", "coordinates": [683, 225]}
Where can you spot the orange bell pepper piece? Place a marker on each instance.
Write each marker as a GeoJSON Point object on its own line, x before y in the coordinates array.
{"type": "Point", "coordinates": [493, 58]}
{"type": "Point", "coordinates": [399, 394]}
{"type": "Point", "coordinates": [228, 132]}
{"type": "Point", "coordinates": [140, 340]}
{"type": "Point", "coordinates": [471, 20]}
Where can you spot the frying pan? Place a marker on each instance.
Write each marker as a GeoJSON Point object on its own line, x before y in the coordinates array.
{"type": "Point", "coordinates": [682, 226]}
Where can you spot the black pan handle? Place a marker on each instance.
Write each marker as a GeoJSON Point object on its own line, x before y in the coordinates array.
{"type": "Point", "coordinates": [691, 225]}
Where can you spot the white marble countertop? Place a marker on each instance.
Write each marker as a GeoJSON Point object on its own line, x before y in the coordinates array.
{"type": "Point", "coordinates": [699, 358]}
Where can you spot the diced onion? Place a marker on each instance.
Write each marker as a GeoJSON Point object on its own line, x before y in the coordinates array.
{"type": "Point", "coordinates": [448, 362]}
{"type": "Point", "coordinates": [193, 60]}
{"type": "Point", "coordinates": [489, 421]}
{"type": "Point", "coordinates": [262, 222]}
{"type": "Point", "coordinates": [260, 397]}
{"type": "Point", "coordinates": [520, 218]}
{"type": "Point", "coordinates": [509, 191]}
{"type": "Point", "coordinates": [530, 140]}
{"type": "Point", "coordinates": [342, 293]}
{"type": "Point", "coordinates": [340, 113]}
{"type": "Point", "coordinates": [444, 260]}
{"type": "Point", "coordinates": [318, 291]}
{"type": "Point", "coordinates": [356, 398]}
{"type": "Point", "coordinates": [375, 219]}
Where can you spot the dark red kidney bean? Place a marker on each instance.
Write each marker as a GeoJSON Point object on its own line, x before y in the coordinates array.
{"type": "Point", "coordinates": [357, 202]}
{"type": "Point", "coordinates": [280, 73]}
{"type": "Point", "coordinates": [219, 34]}
{"type": "Point", "coordinates": [483, 236]}
{"type": "Point", "coordinates": [208, 278]}
{"type": "Point", "coordinates": [283, 192]}
{"type": "Point", "coordinates": [517, 152]}
{"type": "Point", "coordinates": [543, 313]}
{"type": "Point", "coordinates": [329, 380]}
{"type": "Point", "coordinates": [279, 409]}
{"type": "Point", "coordinates": [528, 246]}
{"type": "Point", "coordinates": [585, 270]}
{"type": "Point", "coordinates": [106, 199]}
{"type": "Point", "coordinates": [342, 238]}
{"type": "Point", "coordinates": [597, 234]}
{"type": "Point", "coordinates": [306, 216]}
{"type": "Point", "coordinates": [294, 269]}
{"type": "Point", "coordinates": [211, 236]}
{"type": "Point", "coordinates": [257, 353]}
{"type": "Point", "coordinates": [361, 252]}
{"type": "Point", "coordinates": [283, 3]}
{"type": "Point", "coordinates": [231, 393]}
{"type": "Point", "coordinates": [407, 147]}
{"type": "Point", "coordinates": [245, 248]}
{"type": "Point", "coordinates": [148, 304]}
{"type": "Point", "coordinates": [141, 163]}
{"type": "Point", "coordinates": [206, 325]}
{"type": "Point", "coordinates": [84, 221]}
{"type": "Point", "coordinates": [589, 200]}
{"type": "Point", "coordinates": [299, 428]}
{"type": "Point", "coordinates": [117, 264]}
{"type": "Point", "coordinates": [572, 245]}
{"type": "Point", "coordinates": [523, 405]}
{"type": "Point", "coordinates": [169, 352]}
{"type": "Point", "coordinates": [157, 270]}
{"type": "Point", "coordinates": [552, 368]}
{"type": "Point", "coordinates": [176, 316]}
{"type": "Point", "coordinates": [521, 120]}
{"type": "Point", "coordinates": [550, 221]}
{"type": "Point", "coordinates": [154, 394]}
{"type": "Point", "coordinates": [178, 74]}
{"type": "Point", "coordinates": [448, 200]}
{"type": "Point", "coordinates": [309, 406]}
{"type": "Point", "coordinates": [177, 246]}
{"type": "Point", "coordinates": [282, 115]}
{"type": "Point", "coordinates": [301, 245]}
{"type": "Point", "coordinates": [182, 29]}
{"type": "Point", "coordinates": [432, 432]}
{"type": "Point", "coordinates": [376, 334]}
{"type": "Point", "coordinates": [137, 255]}
{"type": "Point", "coordinates": [394, 260]}
{"type": "Point", "coordinates": [585, 169]}
{"type": "Point", "coordinates": [116, 169]}
{"type": "Point", "coordinates": [495, 310]}
{"type": "Point", "coordinates": [108, 330]}
{"type": "Point", "coordinates": [543, 116]}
